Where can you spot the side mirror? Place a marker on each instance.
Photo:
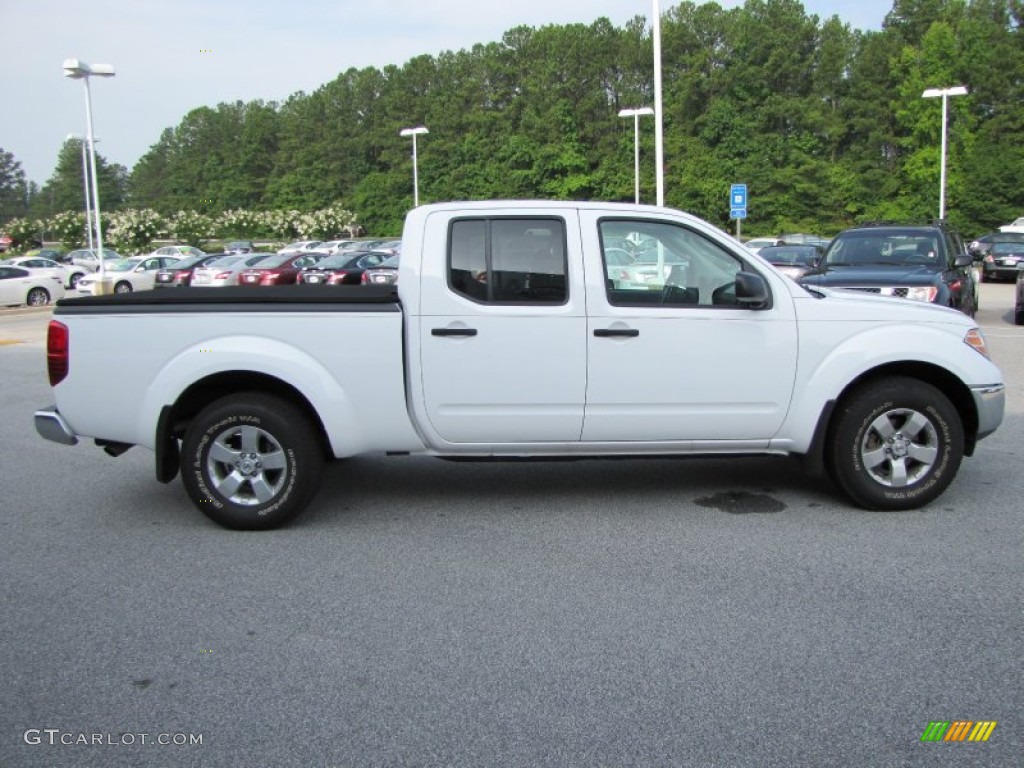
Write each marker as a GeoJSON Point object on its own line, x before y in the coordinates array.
{"type": "Point", "coordinates": [963, 260]}
{"type": "Point", "coordinates": [751, 290]}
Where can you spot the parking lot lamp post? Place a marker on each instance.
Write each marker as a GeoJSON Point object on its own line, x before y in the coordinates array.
{"type": "Point", "coordinates": [79, 70]}
{"type": "Point", "coordinates": [635, 114]}
{"type": "Point", "coordinates": [85, 185]}
{"type": "Point", "coordinates": [945, 93]}
{"type": "Point", "coordinates": [414, 132]}
{"type": "Point", "coordinates": [659, 131]}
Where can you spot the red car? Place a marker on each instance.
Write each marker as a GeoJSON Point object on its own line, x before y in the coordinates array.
{"type": "Point", "coordinates": [278, 269]}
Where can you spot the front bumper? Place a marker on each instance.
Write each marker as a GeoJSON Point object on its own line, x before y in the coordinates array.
{"type": "Point", "coordinates": [1000, 272]}
{"type": "Point", "coordinates": [51, 425]}
{"type": "Point", "coordinates": [990, 402]}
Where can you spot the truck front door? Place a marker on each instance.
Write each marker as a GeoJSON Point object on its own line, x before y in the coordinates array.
{"type": "Point", "coordinates": [672, 356]}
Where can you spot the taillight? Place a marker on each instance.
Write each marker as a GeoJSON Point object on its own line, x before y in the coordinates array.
{"type": "Point", "coordinates": [57, 342]}
{"type": "Point", "coordinates": [222, 276]}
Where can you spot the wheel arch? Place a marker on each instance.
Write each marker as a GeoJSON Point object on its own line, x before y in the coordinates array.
{"type": "Point", "coordinates": [949, 384]}
{"type": "Point", "coordinates": [175, 418]}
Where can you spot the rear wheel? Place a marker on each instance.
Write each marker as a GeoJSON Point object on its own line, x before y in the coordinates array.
{"type": "Point", "coordinates": [251, 461]}
{"type": "Point", "coordinates": [37, 297]}
{"type": "Point", "coordinates": [896, 444]}
{"type": "Point", "coordinates": [1018, 316]}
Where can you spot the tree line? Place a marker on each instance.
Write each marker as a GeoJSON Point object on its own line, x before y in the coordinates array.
{"type": "Point", "coordinates": [825, 124]}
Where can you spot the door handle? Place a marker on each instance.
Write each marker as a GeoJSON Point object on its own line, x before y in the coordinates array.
{"type": "Point", "coordinates": [604, 333]}
{"type": "Point", "coordinates": [453, 332]}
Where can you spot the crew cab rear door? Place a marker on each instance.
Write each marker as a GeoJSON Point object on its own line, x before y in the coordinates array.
{"type": "Point", "coordinates": [672, 356]}
{"type": "Point", "coordinates": [502, 328]}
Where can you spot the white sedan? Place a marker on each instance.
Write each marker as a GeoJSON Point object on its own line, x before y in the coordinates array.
{"type": "Point", "coordinates": [127, 275]}
{"type": "Point", "coordinates": [176, 251]}
{"type": "Point", "coordinates": [300, 246]}
{"type": "Point", "coordinates": [69, 275]}
{"type": "Point", "coordinates": [19, 286]}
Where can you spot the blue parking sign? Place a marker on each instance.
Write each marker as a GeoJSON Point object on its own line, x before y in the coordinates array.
{"type": "Point", "coordinates": [738, 201]}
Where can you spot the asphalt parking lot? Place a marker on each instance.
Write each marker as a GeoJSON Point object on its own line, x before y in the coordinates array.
{"type": "Point", "coordinates": [423, 613]}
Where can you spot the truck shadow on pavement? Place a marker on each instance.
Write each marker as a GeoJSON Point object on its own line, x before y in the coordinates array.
{"type": "Point", "coordinates": [426, 485]}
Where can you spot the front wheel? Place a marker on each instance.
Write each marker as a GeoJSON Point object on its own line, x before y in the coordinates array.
{"type": "Point", "coordinates": [123, 287]}
{"type": "Point", "coordinates": [251, 461]}
{"type": "Point", "coordinates": [37, 297]}
{"type": "Point", "coordinates": [896, 444]}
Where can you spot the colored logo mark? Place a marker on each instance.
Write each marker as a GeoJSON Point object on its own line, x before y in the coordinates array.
{"type": "Point", "coordinates": [958, 730]}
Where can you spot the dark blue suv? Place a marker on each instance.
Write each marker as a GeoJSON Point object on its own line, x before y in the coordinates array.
{"type": "Point", "coordinates": [924, 263]}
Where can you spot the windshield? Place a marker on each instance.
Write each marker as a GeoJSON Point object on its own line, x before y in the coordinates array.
{"type": "Point", "coordinates": [273, 260]}
{"type": "Point", "coordinates": [885, 249]}
{"type": "Point", "coordinates": [187, 263]}
{"type": "Point", "coordinates": [226, 261]}
{"type": "Point", "coordinates": [338, 260]}
{"type": "Point", "coordinates": [1008, 247]}
{"type": "Point", "coordinates": [123, 266]}
{"type": "Point", "coordinates": [790, 254]}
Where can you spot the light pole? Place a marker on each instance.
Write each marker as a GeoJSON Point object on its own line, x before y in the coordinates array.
{"type": "Point", "coordinates": [945, 93]}
{"type": "Point", "coordinates": [659, 132]}
{"type": "Point", "coordinates": [85, 184]}
{"type": "Point", "coordinates": [635, 114]}
{"type": "Point", "coordinates": [79, 70]}
{"type": "Point", "coordinates": [414, 132]}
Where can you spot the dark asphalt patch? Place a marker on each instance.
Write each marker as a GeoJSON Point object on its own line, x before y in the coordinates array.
{"type": "Point", "coordinates": [741, 502]}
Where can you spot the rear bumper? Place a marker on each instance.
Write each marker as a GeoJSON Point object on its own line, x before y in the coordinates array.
{"type": "Point", "coordinates": [51, 425]}
{"type": "Point", "coordinates": [990, 402]}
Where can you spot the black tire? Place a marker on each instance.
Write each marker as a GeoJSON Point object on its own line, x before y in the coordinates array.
{"type": "Point", "coordinates": [236, 487]}
{"type": "Point", "coordinates": [926, 444]}
{"type": "Point", "coordinates": [123, 287]}
{"type": "Point", "coordinates": [73, 281]}
{"type": "Point", "coordinates": [37, 297]}
{"type": "Point", "coordinates": [1018, 316]}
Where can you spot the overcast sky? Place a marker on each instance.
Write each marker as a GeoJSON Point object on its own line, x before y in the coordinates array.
{"type": "Point", "coordinates": [172, 56]}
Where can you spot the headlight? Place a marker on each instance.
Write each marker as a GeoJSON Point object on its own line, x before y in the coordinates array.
{"type": "Point", "coordinates": [922, 293]}
{"type": "Point", "coordinates": [976, 340]}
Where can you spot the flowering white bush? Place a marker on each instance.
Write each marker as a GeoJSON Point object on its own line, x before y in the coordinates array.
{"type": "Point", "coordinates": [282, 224]}
{"type": "Point", "coordinates": [325, 223]}
{"type": "Point", "coordinates": [239, 222]}
{"type": "Point", "coordinates": [69, 228]}
{"type": "Point", "coordinates": [190, 227]}
{"type": "Point", "coordinates": [132, 229]}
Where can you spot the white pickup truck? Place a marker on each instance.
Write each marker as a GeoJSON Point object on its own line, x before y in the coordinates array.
{"type": "Point", "coordinates": [525, 329]}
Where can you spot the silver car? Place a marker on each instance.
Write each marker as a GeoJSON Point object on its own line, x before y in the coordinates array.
{"type": "Point", "coordinates": [224, 271]}
{"type": "Point", "coordinates": [86, 257]}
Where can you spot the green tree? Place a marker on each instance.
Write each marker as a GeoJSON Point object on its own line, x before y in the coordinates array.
{"type": "Point", "coordinates": [14, 190]}
{"type": "Point", "coordinates": [64, 190]}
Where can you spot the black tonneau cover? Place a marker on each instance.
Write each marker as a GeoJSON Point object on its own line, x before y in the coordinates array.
{"type": "Point", "coordinates": [367, 298]}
